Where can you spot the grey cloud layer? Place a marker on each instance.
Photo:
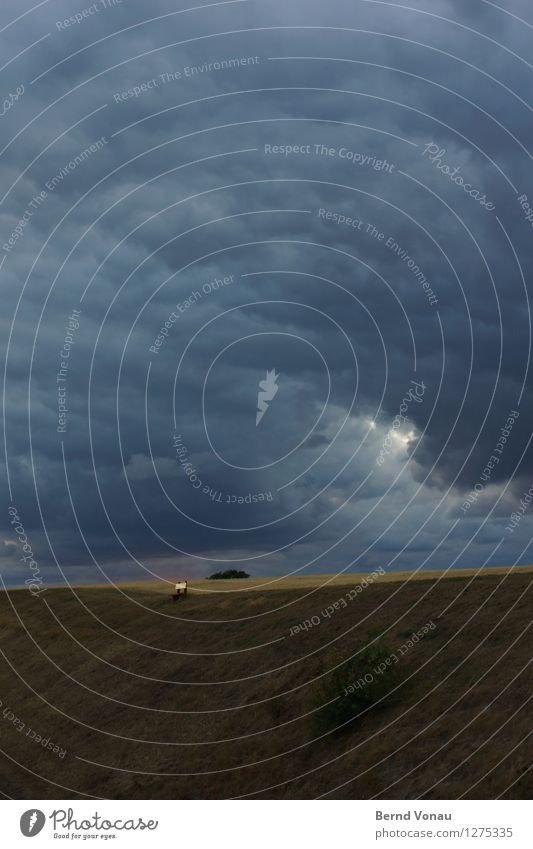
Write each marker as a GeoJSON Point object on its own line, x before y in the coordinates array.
{"type": "Point", "coordinates": [189, 195]}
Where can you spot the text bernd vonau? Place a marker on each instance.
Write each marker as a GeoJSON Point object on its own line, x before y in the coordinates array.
{"type": "Point", "coordinates": [418, 815]}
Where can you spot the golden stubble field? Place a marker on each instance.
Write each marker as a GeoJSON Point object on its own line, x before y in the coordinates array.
{"type": "Point", "coordinates": [118, 693]}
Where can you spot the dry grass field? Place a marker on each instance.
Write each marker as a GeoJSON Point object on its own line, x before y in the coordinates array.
{"type": "Point", "coordinates": [213, 697]}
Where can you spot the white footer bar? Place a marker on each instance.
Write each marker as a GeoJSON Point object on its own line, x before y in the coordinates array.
{"type": "Point", "coordinates": [268, 824]}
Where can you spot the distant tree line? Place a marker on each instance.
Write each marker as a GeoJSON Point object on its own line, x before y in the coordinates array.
{"type": "Point", "coordinates": [229, 573]}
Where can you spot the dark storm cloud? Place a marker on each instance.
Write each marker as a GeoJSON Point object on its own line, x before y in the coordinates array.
{"type": "Point", "coordinates": [187, 196]}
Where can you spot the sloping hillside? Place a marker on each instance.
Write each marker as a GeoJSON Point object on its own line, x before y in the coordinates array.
{"type": "Point", "coordinates": [118, 693]}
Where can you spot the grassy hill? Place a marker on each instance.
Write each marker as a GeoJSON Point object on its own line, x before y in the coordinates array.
{"type": "Point", "coordinates": [218, 696]}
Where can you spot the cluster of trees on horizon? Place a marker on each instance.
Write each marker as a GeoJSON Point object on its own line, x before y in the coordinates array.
{"type": "Point", "coordinates": [229, 573]}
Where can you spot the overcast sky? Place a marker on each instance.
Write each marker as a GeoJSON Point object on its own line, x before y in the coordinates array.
{"type": "Point", "coordinates": [334, 193]}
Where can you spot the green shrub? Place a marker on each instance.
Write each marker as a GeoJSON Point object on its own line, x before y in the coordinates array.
{"type": "Point", "coordinates": [361, 685]}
